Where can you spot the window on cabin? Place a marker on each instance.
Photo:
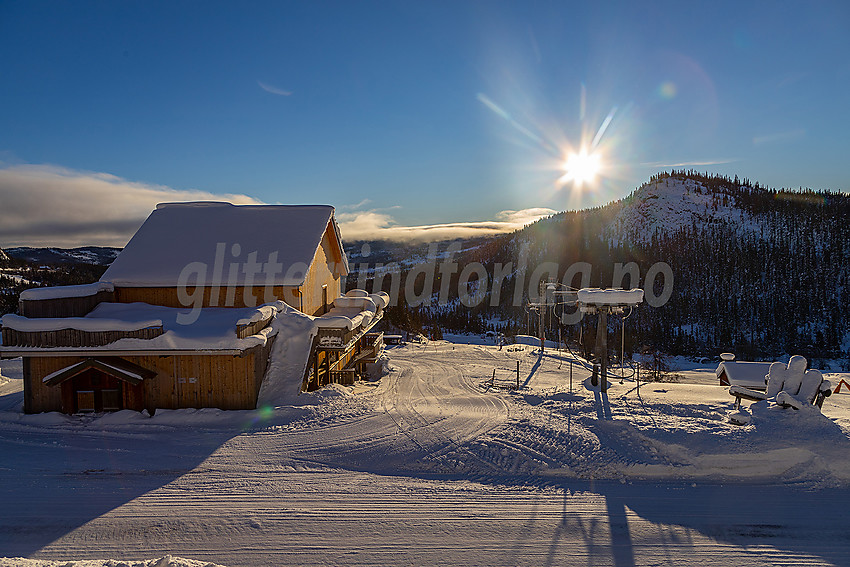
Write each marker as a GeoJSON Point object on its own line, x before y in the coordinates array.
{"type": "Point", "coordinates": [85, 401]}
{"type": "Point", "coordinates": [111, 399]}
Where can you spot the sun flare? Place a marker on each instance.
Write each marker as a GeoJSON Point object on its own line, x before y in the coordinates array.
{"type": "Point", "coordinates": [582, 167]}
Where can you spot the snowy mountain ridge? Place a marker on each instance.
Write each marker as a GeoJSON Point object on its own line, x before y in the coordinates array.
{"type": "Point", "coordinates": [97, 255]}
{"type": "Point", "coordinates": [666, 206]}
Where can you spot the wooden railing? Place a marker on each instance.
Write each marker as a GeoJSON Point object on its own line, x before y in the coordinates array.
{"type": "Point", "coordinates": [332, 338]}
{"type": "Point", "coordinates": [73, 337]}
{"type": "Point", "coordinates": [64, 306]}
{"type": "Point", "coordinates": [374, 344]}
{"type": "Point", "coordinates": [328, 337]}
{"type": "Point", "coordinates": [346, 376]}
{"type": "Point", "coordinates": [347, 354]}
{"type": "Point", "coordinates": [243, 331]}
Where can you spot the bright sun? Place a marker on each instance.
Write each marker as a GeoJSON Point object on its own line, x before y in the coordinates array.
{"type": "Point", "coordinates": [582, 167]}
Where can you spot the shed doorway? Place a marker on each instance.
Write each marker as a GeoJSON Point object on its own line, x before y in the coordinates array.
{"type": "Point", "coordinates": [95, 391]}
{"type": "Point", "coordinates": [101, 385]}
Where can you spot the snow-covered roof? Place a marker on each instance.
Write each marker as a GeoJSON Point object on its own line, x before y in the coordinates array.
{"type": "Point", "coordinates": [184, 237]}
{"type": "Point", "coordinates": [747, 374]}
{"type": "Point", "coordinates": [114, 366]}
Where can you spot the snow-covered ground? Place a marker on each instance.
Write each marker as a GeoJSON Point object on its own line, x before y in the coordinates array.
{"type": "Point", "coordinates": [433, 465]}
{"type": "Point", "coordinates": [166, 561]}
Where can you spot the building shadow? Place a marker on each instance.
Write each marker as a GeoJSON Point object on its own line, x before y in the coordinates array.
{"type": "Point", "coordinates": [779, 521]}
{"type": "Point", "coordinates": [11, 402]}
{"type": "Point", "coordinates": [60, 472]}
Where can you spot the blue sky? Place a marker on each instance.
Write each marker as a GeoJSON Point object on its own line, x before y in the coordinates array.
{"type": "Point", "coordinates": [404, 113]}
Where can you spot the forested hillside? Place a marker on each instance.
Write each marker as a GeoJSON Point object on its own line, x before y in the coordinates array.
{"type": "Point", "coordinates": [757, 271]}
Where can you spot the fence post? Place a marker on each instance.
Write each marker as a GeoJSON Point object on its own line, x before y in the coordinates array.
{"type": "Point", "coordinates": [493, 379]}
{"type": "Point", "coordinates": [517, 374]}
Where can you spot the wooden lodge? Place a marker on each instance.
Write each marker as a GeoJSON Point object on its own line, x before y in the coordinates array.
{"type": "Point", "coordinates": [183, 318]}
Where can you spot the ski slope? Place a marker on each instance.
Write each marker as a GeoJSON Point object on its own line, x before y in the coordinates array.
{"type": "Point", "coordinates": [434, 466]}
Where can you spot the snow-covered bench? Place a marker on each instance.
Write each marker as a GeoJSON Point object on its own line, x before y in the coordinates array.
{"type": "Point", "coordinates": [788, 385]}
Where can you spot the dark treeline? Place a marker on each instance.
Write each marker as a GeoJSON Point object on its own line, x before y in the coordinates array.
{"type": "Point", "coordinates": [18, 275]}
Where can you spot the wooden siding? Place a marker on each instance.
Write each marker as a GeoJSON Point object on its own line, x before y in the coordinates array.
{"type": "Point", "coordinates": [37, 396]}
{"type": "Point", "coordinates": [243, 331]}
{"type": "Point", "coordinates": [224, 382]}
{"type": "Point", "coordinates": [167, 296]}
{"type": "Point", "coordinates": [132, 397]}
{"type": "Point", "coordinates": [63, 307]}
{"type": "Point", "coordinates": [324, 270]}
{"type": "Point", "coordinates": [73, 337]}
{"type": "Point", "coordinates": [213, 381]}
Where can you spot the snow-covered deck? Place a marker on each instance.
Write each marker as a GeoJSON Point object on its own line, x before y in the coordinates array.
{"type": "Point", "coordinates": [350, 318]}
{"type": "Point", "coordinates": [133, 327]}
{"type": "Point", "coordinates": [122, 328]}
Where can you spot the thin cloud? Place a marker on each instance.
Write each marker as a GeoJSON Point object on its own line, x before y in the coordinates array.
{"type": "Point", "coordinates": [786, 136]}
{"type": "Point", "coordinates": [43, 205]}
{"type": "Point", "coordinates": [690, 163]}
{"type": "Point", "coordinates": [274, 90]}
{"type": "Point", "coordinates": [377, 225]}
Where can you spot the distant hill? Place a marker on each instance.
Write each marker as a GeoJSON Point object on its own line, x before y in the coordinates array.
{"type": "Point", "coordinates": [97, 255]}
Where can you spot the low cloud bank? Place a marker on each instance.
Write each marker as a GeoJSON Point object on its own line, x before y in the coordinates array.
{"type": "Point", "coordinates": [377, 225]}
{"type": "Point", "coordinates": [42, 205]}
{"type": "Point", "coordinates": [45, 205]}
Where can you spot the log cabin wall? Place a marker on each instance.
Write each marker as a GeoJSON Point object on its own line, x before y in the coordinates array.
{"type": "Point", "coordinates": [194, 381]}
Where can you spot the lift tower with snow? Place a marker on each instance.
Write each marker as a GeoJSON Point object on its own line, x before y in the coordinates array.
{"type": "Point", "coordinates": [605, 302]}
